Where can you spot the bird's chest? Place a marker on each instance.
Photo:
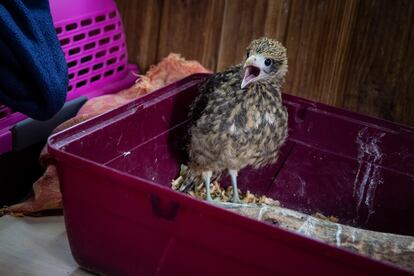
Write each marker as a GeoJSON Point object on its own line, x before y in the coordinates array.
{"type": "Point", "coordinates": [249, 116]}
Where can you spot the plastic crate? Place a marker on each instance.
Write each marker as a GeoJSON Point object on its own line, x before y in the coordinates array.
{"type": "Point", "coordinates": [122, 218]}
{"type": "Point", "coordinates": [93, 41]}
{"type": "Point", "coordinates": [92, 38]}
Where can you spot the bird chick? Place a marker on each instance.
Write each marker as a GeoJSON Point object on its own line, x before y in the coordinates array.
{"type": "Point", "coordinates": [238, 119]}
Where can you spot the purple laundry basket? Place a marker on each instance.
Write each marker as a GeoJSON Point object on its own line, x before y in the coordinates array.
{"type": "Point", "coordinates": [93, 40]}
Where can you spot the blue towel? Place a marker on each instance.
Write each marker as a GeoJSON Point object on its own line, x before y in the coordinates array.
{"type": "Point", "coordinates": [33, 70]}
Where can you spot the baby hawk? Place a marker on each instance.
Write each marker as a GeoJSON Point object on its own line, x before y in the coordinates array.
{"type": "Point", "coordinates": [238, 118]}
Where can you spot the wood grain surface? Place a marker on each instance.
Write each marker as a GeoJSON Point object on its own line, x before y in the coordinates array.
{"type": "Point", "coordinates": [192, 28]}
{"type": "Point", "coordinates": [353, 54]}
{"type": "Point", "coordinates": [142, 23]}
{"type": "Point", "coordinates": [379, 79]}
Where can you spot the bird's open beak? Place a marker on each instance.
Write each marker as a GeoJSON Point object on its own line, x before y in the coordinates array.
{"type": "Point", "coordinates": [252, 70]}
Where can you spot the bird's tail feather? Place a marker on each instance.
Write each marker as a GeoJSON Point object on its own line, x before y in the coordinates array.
{"type": "Point", "coordinates": [190, 180]}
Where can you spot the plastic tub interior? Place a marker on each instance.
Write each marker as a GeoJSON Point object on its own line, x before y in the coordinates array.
{"type": "Point", "coordinates": [123, 218]}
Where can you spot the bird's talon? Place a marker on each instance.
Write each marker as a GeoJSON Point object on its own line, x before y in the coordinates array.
{"type": "Point", "coordinates": [237, 200]}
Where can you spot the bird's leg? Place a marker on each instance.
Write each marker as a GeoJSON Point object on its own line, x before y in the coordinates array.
{"type": "Point", "coordinates": [233, 176]}
{"type": "Point", "coordinates": [207, 178]}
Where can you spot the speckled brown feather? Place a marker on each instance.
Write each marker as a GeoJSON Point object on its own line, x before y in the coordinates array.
{"type": "Point", "coordinates": [233, 127]}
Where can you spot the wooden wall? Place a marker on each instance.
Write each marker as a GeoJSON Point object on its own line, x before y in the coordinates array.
{"type": "Point", "coordinates": [353, 54]}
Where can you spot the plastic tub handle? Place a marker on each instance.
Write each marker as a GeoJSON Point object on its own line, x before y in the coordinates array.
{"type": "Point", "coordinates": [164, 209]}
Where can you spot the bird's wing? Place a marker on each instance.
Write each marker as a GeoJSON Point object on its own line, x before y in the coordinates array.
{"type": "Point", "coordinates": [207, 89]}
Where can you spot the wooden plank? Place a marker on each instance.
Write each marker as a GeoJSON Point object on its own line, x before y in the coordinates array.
{"type": "Point", "coordinates": [36, 246]}
{"type": "Point", "coordinates": [380, 65]}
{"type": "Point", "coordinates": [191, 28]}
{"type": "Point", "coordinates": [352, 54]}
{"type": "Point", "coordinates": [339, 40]}
{"type": "Point", "coordinates": [277, 18]}
{"type": "Point", "coordinates": [246, 20]}
{"type": "Point", "coordinates": [317, 41]}
{"type": "Point", "coordinates": [141, 23]}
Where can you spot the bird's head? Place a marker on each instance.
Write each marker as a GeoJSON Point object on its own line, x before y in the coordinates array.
{"type": "Point", "coordinates": [266, 59]}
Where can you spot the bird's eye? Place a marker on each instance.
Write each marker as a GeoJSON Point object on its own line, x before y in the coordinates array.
{"type": "Point", "coordinates": [268, 62]}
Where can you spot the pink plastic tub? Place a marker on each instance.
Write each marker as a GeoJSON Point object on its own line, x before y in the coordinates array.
{"type": "Point", "coordinates": [122, 218]}
{"type": "Point", "coordinates": [93, 41]}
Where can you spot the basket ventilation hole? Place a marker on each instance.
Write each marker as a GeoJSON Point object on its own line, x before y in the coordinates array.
{"type": "Point", "coordinates": [112, 14]}
{"type": "Point", "coordinates": [72, 63]}
{"type": "Point", "coordinates": [109, 28]}
{"type": "Point", "coordinates": [86, 59]}
{"type": "Point", "coordinates": [81, 83]}
{"type": "Point", "coordinates": [94, 32]}
{"type": "Point", "coordinates": [64, 41]}
{"type": "Point", "coordinates": [100, 18]}
{"type": "Point", "coordinates": [86, 22]}
{"type": "Point", "coordinates": [95, 78]}
{"type": "Point", "coordinates": [100, 54]}
{"type": "Point", "coordinates": [89, 46]}
{"type": "Point", "coordinates": [98, 66]}
{"type": "Point", "coordinates": [104, 41]}
{"type": "Point", "coordinates": [111, 61]}
{"type": "Point", "coordinates": [114, 49]}
{"type": "Point", "coordinates": [108, 73]}
{"type": "Point", "coordinates": [71, 26]}
{"type": "Point", "coordinates": [78, 37]}
{"type": "Point", "coordinates": [83, 71]}
{"type": "Point", "coordinates": [74, 51]}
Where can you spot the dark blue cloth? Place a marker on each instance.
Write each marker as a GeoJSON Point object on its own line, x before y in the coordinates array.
{"type": "Point", "coordinates": [33, 70]}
